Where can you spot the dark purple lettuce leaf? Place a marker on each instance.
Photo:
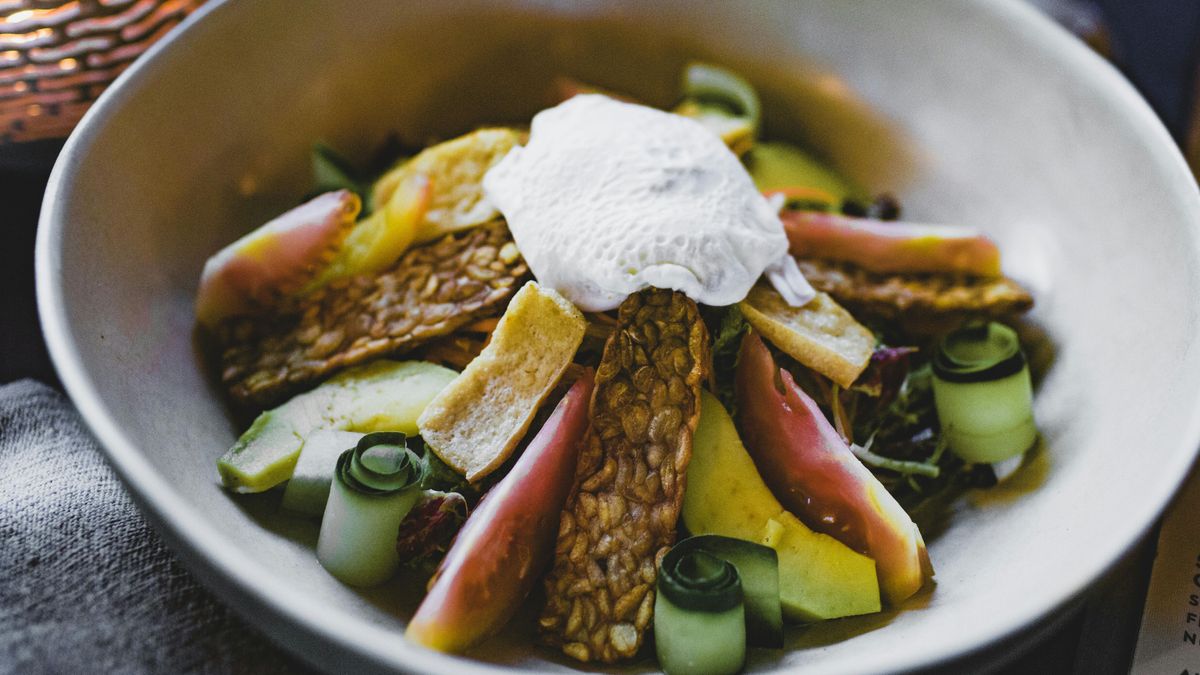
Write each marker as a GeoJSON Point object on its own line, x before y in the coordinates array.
{"type": "Point", "coordinates": [885, 374]}
{"type": "Point", "coordinates": [428, 530]}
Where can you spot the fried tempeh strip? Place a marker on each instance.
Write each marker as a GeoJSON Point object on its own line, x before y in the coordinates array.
{"type": "Point", "coordinates": [431, 291]}
{"type": "Point", "coordinates": [620, 518]}
{"type": "Point", "coordinates": [924, 303]}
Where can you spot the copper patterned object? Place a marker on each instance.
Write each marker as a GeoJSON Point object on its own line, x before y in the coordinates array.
{"type": "Point", "coordinates": [56, 57]}
{"type": "Point", "coordinates": [620, 519]}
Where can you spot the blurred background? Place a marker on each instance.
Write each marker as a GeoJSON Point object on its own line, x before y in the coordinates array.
{"type": "Point", "coordinates": [57, 56]}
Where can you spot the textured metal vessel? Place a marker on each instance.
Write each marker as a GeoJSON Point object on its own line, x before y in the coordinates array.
{"type": "Point", "coordinates": [57, 56]}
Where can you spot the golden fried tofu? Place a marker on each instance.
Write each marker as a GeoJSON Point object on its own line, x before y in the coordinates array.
{"type": "Point", "coordinates": [476, 421]}
{"type": "Point", "coordinates": [821, 334]}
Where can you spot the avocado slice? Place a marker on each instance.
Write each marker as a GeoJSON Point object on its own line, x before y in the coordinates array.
{"type": "Point", "coordinates": [782, 166]}
{"type": "Point", "coordinates": [819, 577]}
{"type": "Point", "coordinates": [379, 396]}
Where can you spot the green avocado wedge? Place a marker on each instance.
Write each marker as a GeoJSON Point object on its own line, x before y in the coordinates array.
{"type": "Point", "coordinates": [781, 166]}
{"type": "Point", "coordinates": [819, 577]}
{"type": "Point", "coordinates": [380, 396]}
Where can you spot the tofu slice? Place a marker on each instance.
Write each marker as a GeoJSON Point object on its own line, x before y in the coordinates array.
{"type": "Point", "coordinates": [821, 335]}
{"type": "Point", "coordinates": [476, 421]}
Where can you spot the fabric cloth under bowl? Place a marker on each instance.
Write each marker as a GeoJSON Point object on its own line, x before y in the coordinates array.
{"type": "Point", "coordinates": [85, 583]}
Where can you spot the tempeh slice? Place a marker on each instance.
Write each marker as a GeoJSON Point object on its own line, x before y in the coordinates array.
{"type": "Point", "coordinates": [621, 516]}
{"type": "Point", "coordinates": [923, 303]}
{"type": "Point", "coordinates": [431, 291]}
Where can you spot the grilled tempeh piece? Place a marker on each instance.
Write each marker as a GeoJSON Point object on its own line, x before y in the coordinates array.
{"type": "Point", "coordinates": [431, 291]}
{"type": "Point", "coordinates": [924, 303]}
{"type": "Point", "coordinates": [620, 518]}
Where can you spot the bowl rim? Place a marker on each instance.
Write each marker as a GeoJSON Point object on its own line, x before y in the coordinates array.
{"type": "Point", "coordinates": [246, 586]}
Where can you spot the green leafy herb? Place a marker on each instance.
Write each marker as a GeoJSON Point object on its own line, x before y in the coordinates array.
{"type": "Point", "coordinates": [807, 204]}
{"type": "Point", "coordinates": [437, 475]}
{"type": "Point", "coordinates": [429, 528]}
{"type": "Point", "coordinates": [907, 451]}
{"type": "Point", "coordinates": [928, 468]}
{"type": "Point", "coordinates": [332, 172]}
{"type": "Point", "coordinates": [727, 326]}
{"type": "Point", "coordinates": [732, 327]}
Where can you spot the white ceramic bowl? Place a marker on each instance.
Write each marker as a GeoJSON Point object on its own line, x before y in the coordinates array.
{"type": "Point", "coordinates": [972, 112]}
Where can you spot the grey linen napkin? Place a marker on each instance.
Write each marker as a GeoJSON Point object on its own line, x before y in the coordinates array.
{"type": "Point", "coordinates": [86, 586]}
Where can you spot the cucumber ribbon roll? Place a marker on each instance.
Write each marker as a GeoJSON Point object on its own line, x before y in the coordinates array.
{"type": "Point", "coordinates": [715, 595]}
{"type": "Point", "coordinates": [983, 393]}
{"type": "Point", "coordinates": [307, 491]}
{"type": "Point", "coordinates": [714, 86]}
{"type": "Point", "coordinates": [374, 486]}
{"type": "Point", "coordinates": [722, 101]}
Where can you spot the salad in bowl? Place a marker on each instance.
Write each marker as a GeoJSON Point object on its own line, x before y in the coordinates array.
{"type": "Point", "coordinates": [679, 387]}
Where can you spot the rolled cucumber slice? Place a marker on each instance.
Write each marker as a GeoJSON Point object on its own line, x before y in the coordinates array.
{"type": "Point", "coordinates": [715, 86]}
{"type": "Point", "coordinates": [375, 485]}
{"type": "Point", "coordinates": [983, 394]}
{"type": "Point", "coordinates": [698, 643]}
{"type": "Point", "coordinates": [699, 615]}
{"type": "Point", "coordinates": [722, 101]}
{"type": "Point", "coordinates": [308, 490]}
{"type": "Point", "coordinates": [758, 570]}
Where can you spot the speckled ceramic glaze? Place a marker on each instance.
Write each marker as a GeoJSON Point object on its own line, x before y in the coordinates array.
{"type": "Point", "coordinates": [972, 112]}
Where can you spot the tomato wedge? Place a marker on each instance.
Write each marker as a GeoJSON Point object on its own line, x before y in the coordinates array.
{"type": "Point", "coordinates": [889, 247]}
{"type": "Point", "coordinates": [814, 475]}
{"type": "Point", "coordinates": [504, 547]}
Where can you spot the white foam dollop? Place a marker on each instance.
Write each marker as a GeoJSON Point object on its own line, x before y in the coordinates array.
{"type": "Point", "coordinates": [608, 198]}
